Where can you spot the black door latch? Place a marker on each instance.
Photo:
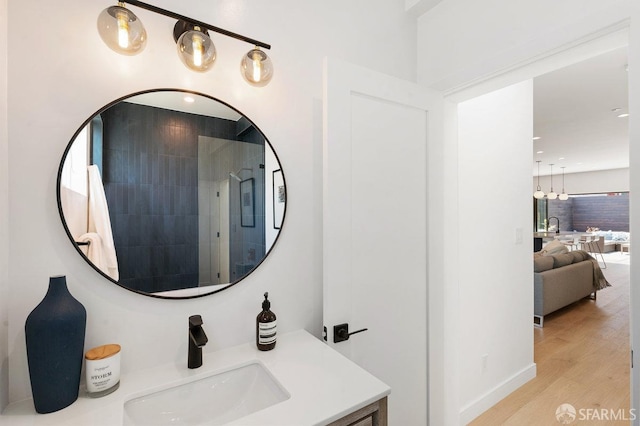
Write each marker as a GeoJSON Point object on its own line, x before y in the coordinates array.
{"type": "Point", "coordinates": [341, 332]}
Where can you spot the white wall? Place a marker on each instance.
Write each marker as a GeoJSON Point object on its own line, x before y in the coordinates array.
{"type": "Point", "coordinates": [418, 7]}
{"type": "Point", "coordinates": [483, 37]}
{"type": "Point", "coordinates": [492, 44]}
{"type": "Point", "coordinates": [616, 180]}
{"type": "Point", "coordinates": [73, 74]}
{"type": "Point", "coordinates": [495, 281]}
{"type": "Point", "coordinates": [4, 209]}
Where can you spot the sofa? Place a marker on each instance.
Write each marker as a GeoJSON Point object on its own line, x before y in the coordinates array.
{"type": "Point", "coordinates": [609, 241]}
{"type": "Point", "coordinates": [561, 278]}
{"type": "Point", "coordinates": [601, 241]}
{"type": "Point", "coordinates": [606, 246]}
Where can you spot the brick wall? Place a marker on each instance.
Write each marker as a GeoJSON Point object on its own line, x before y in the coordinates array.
{"type": "Point", "coordinates": [563, 210]}
{"type": "Point", "coordinates": [150, 174]}
{"type": "Point", "coordinates": [607, 212]}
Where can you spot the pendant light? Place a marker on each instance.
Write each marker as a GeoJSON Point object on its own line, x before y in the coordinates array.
{"type": "Point", "coordinates": [539, 193]}
{"type": "Point", "coordinates": [121, 30]}
{"type": "Point", "coordinates": [552, 195]}
{"type": "Point", "coordinates": [564, 196]}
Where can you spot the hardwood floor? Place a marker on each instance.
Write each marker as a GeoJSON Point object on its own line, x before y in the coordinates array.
{"type": "Point", "coordinates": [582, 356]}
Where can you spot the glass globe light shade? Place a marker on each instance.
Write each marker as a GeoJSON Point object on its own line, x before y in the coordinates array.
{"type": "Point", "coordinates": [256, 67]}
{"type": "Point", "coordinates": [121, 30]}
{"type": "Point", "coordinates": [538, 194]}
{"type": "Point", "coordinates": [196, 50]}
{"type": "Point", "coordinates": [563, 197]}
{"type": "Point", "coordinates": [552, 195]}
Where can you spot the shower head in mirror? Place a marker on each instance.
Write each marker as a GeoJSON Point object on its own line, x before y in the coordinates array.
{"type": "Point", "coordinates": [238, 174]}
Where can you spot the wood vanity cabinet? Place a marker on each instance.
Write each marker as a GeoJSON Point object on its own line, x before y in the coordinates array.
{"type": "Point", "coordinates": [374, 414]}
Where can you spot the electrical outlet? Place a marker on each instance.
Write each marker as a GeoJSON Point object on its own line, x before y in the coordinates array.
{"type": "Point", "coordinates": [485, 362]}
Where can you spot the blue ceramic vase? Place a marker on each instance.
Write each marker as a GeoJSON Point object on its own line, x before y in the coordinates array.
{"type": "Point", "coordinates": [54, 333]}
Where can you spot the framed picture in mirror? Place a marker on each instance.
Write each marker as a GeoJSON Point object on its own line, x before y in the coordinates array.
{"type": "Point", "coordinates": [247, 206]}
{"type": "Point", "coordinates": [279, 198]}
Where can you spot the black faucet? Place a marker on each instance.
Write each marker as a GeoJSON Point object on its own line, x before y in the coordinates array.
{"type": "Point", "coordinates": [197, 339]}
{"type": "Point", "coordinates": [558, 228]}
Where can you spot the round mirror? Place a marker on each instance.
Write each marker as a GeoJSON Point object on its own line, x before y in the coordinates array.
{"type": "Point", "coordinates": [171, 194]}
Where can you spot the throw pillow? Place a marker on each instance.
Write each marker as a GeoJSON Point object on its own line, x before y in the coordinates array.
{"type": "Point", "coordinates": [554, 247]}
{"type": "Point", "coordinates": [560, 260]}
{"type": "Point", "coordinates": [542, 263]}
{"type": "Point", "coordinates": [578, 256]}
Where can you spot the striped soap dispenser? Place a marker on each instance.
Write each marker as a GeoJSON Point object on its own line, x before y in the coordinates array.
{"type": "Point", "coordinates": [266, 326]}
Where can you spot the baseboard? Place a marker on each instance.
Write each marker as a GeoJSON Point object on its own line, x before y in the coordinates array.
{"type": "Point", "coordinates": [489, 399]}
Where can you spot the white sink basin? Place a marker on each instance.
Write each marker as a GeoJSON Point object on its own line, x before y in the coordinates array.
{"type": "Point", "coordinates": [212, 400]}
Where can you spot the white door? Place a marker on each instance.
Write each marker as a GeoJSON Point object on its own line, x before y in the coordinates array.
{"type": "Point", "coordinates": [224, 240]}
{"type": "Point", "coordinates": [375, 227]}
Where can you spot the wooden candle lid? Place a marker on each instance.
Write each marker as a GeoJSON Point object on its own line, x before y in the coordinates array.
{"type": "Point", "coordinates": [102, 352]}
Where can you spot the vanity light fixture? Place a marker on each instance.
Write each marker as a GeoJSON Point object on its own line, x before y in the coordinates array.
{"type": "Point", "coordinates": [539, 193]}
{"type": "Point", "coordinates": [123, 32]}
{"type": "Point", "coordinates": [564, 196]}
{"type": "Point", "coordinates": [552, 195]}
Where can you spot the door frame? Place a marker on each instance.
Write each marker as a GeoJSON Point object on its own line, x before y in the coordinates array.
{"type": "Point", "coordinates": [583, 48]}
{"type": "Point", "coordinates": [335, 192]}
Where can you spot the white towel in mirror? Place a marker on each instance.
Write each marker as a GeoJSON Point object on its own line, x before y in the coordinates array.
{"type": "Point", "coordinates": [100, 224]}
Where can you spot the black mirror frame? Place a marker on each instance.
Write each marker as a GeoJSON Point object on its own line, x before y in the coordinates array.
{"type": "Point", "coordinates": [77, 246]}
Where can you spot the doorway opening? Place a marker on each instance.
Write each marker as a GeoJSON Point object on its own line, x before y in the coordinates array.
{"type": "Point", "coordinates": [599, 163]}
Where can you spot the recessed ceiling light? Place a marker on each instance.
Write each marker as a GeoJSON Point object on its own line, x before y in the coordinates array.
{"type": "Point", "coordinates": [561, 158]}
{"type": "Point", "coordinates": [189, 99]}
{"type": "Point", "coordinates": [535, 138]}
{"type": "Point", "coordinates": [623, 115]}
{"type": "Point", "coordinates": [539, 152]}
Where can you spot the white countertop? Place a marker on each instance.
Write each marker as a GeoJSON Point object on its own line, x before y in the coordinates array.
{"type": "Point", "coordinates": [324, 386]}
{"type": "Point", "coordinates": [561, 235]}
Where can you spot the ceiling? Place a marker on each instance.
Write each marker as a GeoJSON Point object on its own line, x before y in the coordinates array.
{"type": "Point", "coordinates": [574, 119]}
{"type": "Point", "coordinates": [175, 100]}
